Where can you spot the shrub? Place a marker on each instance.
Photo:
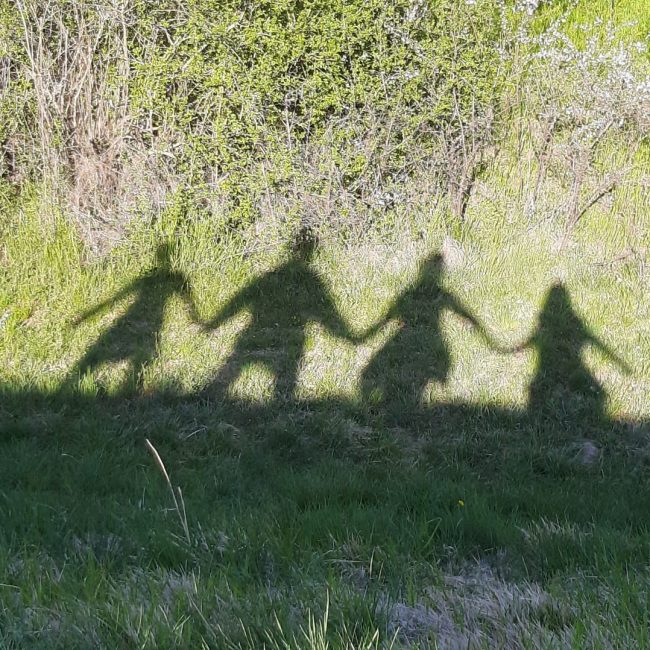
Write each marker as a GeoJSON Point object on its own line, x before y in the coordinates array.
{"type": "Point", "coordinates": [341, 113]}
{"type": "Point", "coordinates": [319, 109]}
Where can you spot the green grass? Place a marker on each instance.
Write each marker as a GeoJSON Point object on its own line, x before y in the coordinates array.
{"type": "Point", "coordinates": [631, 17]}
{"type": "Point", "coordinates": [333, 493]}
{"type": "Point", "coordinates": [320, 516]}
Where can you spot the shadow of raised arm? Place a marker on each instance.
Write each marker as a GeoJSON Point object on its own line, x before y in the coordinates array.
{"type": "Point", "coordinates": [456, 306]}
{"type": "Point", "coordinates": [512, 349]}
{"type": "Point", "coordinates": [228, 311]}
{"type": "Point", "coordinates": [334, 322]}
{"type": "Point", "coordinates": [93, 311]}
{"type": "Point", "coordinates": [608, 352]}
{"type": "Point", "coordinates": [369, 332]}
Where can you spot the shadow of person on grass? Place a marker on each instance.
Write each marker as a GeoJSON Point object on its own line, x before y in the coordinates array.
{"type": "Point", "coordinates": [134, 336]}
{"type": "Point", "coordinates": [281, 303]}
{"type": "Point", "coordinates": [563, 386]}
{"type": "Point", "coordinates": [416, 352]}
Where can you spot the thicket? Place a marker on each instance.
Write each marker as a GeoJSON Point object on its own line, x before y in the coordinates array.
{"type": "Point", "coordinates": [341, 113]}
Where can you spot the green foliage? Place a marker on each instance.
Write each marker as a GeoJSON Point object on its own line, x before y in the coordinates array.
{"type": "Point", "coordinates": [336, 113]}
{"type": "Point", "coordinates": [248, 100]}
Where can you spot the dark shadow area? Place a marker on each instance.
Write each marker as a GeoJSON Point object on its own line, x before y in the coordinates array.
{"type": "Point", "coordinates": [563, 387]}
{"type": "Point", "coordinates": [281, 304]}
{"type": "Point", "coordinates": [416, 352]}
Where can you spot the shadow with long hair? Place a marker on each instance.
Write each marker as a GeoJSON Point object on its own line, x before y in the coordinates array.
{"type": "Point", "coordinates": [133, 338]}
{"type": "Point", "coordinates": [416, 353]}
{"type": "Point", "coordinates": [563, 387]}
{"type": "Point", "coordinates": [281, 303]}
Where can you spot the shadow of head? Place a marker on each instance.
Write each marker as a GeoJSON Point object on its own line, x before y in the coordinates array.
{"type": "Point", "coordinates": [431, 269]}
{"type": "Point", "coordinates": [557, 314]}
{"type": "Point", "coordinates": [164, 257]}
{"type": "Point", "coordinates": [304, 245]}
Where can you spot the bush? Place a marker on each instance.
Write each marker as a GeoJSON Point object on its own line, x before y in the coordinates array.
{"type": "Point", "coordinates": [319, 109]}
{"type": "Point", "coordinates": [580, 103]}
{"type": "Point", "coordinates": [340, 113]}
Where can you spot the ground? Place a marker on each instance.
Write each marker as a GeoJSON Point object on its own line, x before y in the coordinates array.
{"type": "Point", "coordinates": [461, 513]}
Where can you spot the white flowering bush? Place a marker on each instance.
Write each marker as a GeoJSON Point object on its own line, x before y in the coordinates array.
{"type": "Point", "coordinates": [528, 6]}
{"type": "Point", "coordinates": [593, 88]}
{"type": "Point", "coordinates": [581, 99]}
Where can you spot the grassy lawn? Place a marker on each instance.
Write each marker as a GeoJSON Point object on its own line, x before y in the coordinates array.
{"type": "Point", "coordinates": [428, 426]}
{"type": "Point", "coordinates": [367, 445]}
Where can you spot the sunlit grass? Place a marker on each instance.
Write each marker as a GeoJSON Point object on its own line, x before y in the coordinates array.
{"type": "Point", "coordinates": [295, 504]}
{"type": "Point", "coordinates": [319, 518]}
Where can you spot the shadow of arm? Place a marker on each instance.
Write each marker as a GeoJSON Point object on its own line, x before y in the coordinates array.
{"type": "Point", "coordinates": [93, 311]}
{"type": "Point", "coordinates": [230, 309]}
{"type": "Point", "coordinates": [331, 318]}
{"type": "Point", "coordinates": [370, 331]}
{"type": "Point", "coordinates": [611, 355]}
{"type": "Point", "coordinates": [456, 306]}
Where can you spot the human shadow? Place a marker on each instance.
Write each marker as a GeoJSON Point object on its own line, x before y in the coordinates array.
{"type": "Point", "coordinates": [417, 352]}
{"type": "Point", "coordinates": [281, 304]}
{"type": "Point", "coordinates": [563, 386]}
{"type": "Point", "coordinates": [469, 448]}
{"type": "Point", "coordinates": [134, 336]}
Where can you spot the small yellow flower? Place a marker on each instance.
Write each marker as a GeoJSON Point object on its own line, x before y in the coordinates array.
{"type": "Point", "coordinates": [461, 503]}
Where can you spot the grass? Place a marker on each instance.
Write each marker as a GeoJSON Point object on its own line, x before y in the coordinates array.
{"type": "Point", "coordinates": [333, 493]}
{"type": "Point", "coordinates": [321, 518]}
